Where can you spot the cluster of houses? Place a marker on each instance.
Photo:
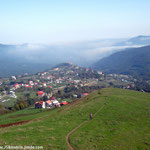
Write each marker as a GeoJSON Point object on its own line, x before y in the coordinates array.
{"type": "Point", "coordinates": [52, 102]}
{"type": "Point", "coordinates": [57, 79]}
{"type": "Point", "coordinates": [54, 77]}
{"type": "Point", "coordinates": [29, 85]}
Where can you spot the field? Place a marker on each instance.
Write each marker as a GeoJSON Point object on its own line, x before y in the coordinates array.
{"type": "Point", "coordinates": [121, 121]}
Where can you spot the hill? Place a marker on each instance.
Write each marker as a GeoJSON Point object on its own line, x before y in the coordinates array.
{"type": "Point", "coordinates": [134, 61]}
{"type": "Point", "coordinates": [120, 121]}
{"type": "Point", "coordinates": [138, 40]}
{"type": "Point", "coordinates": [64, 65]}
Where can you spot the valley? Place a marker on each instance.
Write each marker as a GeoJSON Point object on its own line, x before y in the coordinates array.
{"type": "Point", "coordinates": [74, 75]}
{"type": "Point", "coordinates": [65, 82]}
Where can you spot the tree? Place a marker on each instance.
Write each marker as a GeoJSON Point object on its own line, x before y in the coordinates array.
{"type": "Point", "coordinates": [21, 105]}
{"type": "Point", "coordinates": [17, 107]}
{"type": "Point", "coordinates": [59, 92]}
{"type": "Point", "coordinates": [1, 89]}
{"type": "Point", "coordinates": [45, 98]}
{"type": "Point", "coordinates": [25, 103]}
{"type": "Point", "coordinates": [27, 95]}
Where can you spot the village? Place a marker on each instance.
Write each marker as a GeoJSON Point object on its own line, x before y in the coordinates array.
{"type": "Point", "coordinates": [58, 86]}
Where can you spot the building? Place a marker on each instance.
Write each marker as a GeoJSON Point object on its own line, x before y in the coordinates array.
{"type": "Point", "coordinates": [40, 104]}
{"type": "Point", "coordinates": [85, 94]}
{"type": "Point", "coordinates": [63, 103]}
{"type": "Point", "coordinates": [40, 93]}
{"type": "Point", "coordinates": [49, 104]}
{"type": "Point", "coordinates": [17, 85]}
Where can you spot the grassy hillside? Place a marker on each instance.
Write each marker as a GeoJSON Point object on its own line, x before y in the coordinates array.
{"type": "Point", "coordinates": [122, 123]}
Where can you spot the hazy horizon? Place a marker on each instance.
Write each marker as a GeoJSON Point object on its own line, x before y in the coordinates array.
{"type": "Point", "coordinates": [63, 21]}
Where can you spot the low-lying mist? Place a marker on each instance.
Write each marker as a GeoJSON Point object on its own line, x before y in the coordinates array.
{"type": "Point", "coordinates": [79, 53]}
{"type": "Point", "coordinates": [82, 53]}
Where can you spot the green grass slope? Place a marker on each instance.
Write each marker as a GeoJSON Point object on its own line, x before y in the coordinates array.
{"type": "Point", "coordinates": [123, 123]}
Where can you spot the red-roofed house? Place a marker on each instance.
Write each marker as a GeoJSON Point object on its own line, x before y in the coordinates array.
{"type": "Point", "coordinates": [85, 94]}
{"type": "Point", "coordinates": [29, 86]}
{"type": "Point", "coordinates": [40, 104]}
{"type": "Point", "coordinates": [48, 103]}
{"type": "Point", "coordinates": [43, 104]}
{"type": "Point", "coordinates": [44, 84]}
{"type": "Point", "coordinates": [31, 82]}
{"type": "Point", "coordinates": [63, 103]}
{"type": "Point", "coordinates": [41, 93]}
{"type": "Point", "coordinates": [52, 98]}
{"type": "Point", "coordinates": [21, 84]}
{"type": "Point", "coordinates": [26, 85]}
{"type": "Point", "coordinates": [16, 85]}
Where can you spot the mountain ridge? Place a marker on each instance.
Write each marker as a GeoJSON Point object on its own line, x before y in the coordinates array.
{"type": "Point", "coordinates": [134, 61]}
{"type": "Point", "coordinates": [138, 40]}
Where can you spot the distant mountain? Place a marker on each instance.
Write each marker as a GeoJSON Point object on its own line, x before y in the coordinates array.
{"type": "Point", "coordinates": [135, 61]}
{"type": "Point", "coordinates": [11, 63]}
{"type": "Point", "coordinates": [64, 65]}
{"type": "Point", "coordinates": [139, 40]}
{"type": "Point", "coordinates": [32, 58]}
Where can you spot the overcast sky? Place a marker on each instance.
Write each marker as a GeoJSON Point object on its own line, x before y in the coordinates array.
{"type": "Point", "coordinates": [52, 21]}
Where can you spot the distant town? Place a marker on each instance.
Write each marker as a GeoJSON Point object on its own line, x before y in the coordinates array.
{"type": "Point", "coordinates": [57, 87]}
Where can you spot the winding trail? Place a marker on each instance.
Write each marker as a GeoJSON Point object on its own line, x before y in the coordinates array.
{"type": "Point", "coordinates": [68, 135]}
